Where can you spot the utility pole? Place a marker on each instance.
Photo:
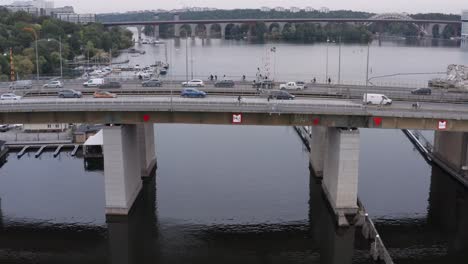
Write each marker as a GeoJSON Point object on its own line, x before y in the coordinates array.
{"type": "Point", "coordinates": [339, 62]}
{"type": "Point", "coordinates": [326, 65]}
{"type": "Point", "coordinates": [191, 61]}
{"type": "Point", "coordinates": [61, 65]}
{"type": "Point", "coordinates": [367, 69]}
{"type": "Point", "coordinates": [186, 58]}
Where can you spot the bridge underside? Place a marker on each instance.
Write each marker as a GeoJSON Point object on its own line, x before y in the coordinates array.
{"type": "Point", "coordinates": [224, 118]}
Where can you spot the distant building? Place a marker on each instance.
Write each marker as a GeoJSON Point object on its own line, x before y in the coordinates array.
{"type": "Point", "coordinates": [294, 9]}
{"type": "Point", "coordinates": [309, 9]}
{"type": "Point", "coordinates": [280, 9]}
{"type": "Point", "coordinates": [63, 10]}
{"type": "Point", "coordinates": [324, 10]}
{"type": "Point", "coordinates": [77, 18]}
{"type": "Point", "coordinates": [465, 24]}
{"type": "Point", "coordinates": [45, 127]}
{"type": "Point", "coordinates": [265, 9]}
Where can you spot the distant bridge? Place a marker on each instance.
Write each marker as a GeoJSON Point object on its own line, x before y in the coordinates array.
{"type": "Point", "coordinates": [425, 26]}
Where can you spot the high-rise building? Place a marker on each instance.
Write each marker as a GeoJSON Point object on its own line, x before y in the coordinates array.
{"type": "Point", "coordinates": [465, 24]}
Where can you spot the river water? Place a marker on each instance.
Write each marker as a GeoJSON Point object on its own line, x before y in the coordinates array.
{"type": "Point", "coordinates": [230, 194]}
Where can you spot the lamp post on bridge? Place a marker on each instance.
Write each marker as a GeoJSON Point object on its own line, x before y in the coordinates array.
{"type": "Point", "coordinates": [326, 65]}
{"type": "Point", "coordinates": [60, 50]}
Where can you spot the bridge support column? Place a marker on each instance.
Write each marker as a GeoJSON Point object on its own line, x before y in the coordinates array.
{"type": "Point", "coordinates": [441, 30]}
{"type": "Point", "coordinates": [156, 32]}
{"type": "Point", "coordinates": [318, 146]}
{"type": "Point", "coordinates": [340, 180]}
{"type": "Point", "coordinates": [122, 168]}
{"type": "Point", "coordinates": [223, 30]}
{"type": "Point", "coordinates": [193, 28]}
{"type": "Point", "coordinates": [147, 149]}
{"type": "Point", "coordinates": [177, 26]}
{"type": "Point", "coordinates": [452, 148]}
{"type": "Point", "coordinates": [139, 30]}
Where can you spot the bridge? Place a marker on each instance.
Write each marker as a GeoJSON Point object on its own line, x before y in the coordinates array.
{"type": "Point", "coordinates": [208, 26]}
{"type": "Point", "coordinates": [129, 147]}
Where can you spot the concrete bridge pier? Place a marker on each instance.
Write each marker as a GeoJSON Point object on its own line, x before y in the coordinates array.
{"type": "Point", "coordinates": [177, 26]}
{"type": "Point", "coordinates": [317, 149]}
{"type": "Point", "coordinates": [156, 31]}
{"type": "Point", "coordinates": [128, 154]}
{"type": "Point", "coordinates": [452, 148]}
{"type": "Point", "coordinates": [223, 30]}
{"type": "Point", "coordinates": [139, 30]}
{"type": "Point", "coordinates": [193, 28]}
{"type": "Point", "coordinates": [147, 148]}
{"type": "Point", "coordinates": [341, 171]}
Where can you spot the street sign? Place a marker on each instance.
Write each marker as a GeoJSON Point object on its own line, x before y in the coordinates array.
{"type": "Point", "coordinates": [237, 118]}
{"type": "Point", "coordinates": [442, 125]}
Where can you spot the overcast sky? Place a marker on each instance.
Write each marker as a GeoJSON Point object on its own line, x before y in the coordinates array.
{"type": "Point", "coordinates": [376, 6]}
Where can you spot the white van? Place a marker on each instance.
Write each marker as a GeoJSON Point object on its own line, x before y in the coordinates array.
{"type": "Point", "coordinates": [376, 99]}
{"type": "Point", "coordinates": [94, 82]}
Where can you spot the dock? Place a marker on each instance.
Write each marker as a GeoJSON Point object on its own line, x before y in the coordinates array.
{"type": "Point", "coordinates": [39, 152]}
{"type": "Point", "coordinates": [23, 150]}
{"type": "Point", "coordinates": [40, 147]}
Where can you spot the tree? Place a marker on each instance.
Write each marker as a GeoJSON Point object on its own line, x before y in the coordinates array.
{"type": "Point", "coordinates": [23, 65]}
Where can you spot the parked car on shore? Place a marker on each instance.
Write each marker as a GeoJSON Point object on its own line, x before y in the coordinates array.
{"type": "Point", "coordinates": [280, 95]}
{"type": "Point", "coordinates": [104, 94]}
{"type": "Point", "coordinates": [24, 84]}
{"type": "Point", "coordinates": [376, 99]}
{"type": "Point", "coordinates": [266, 84]}
{"type": "Point", "coordinates": [224, 83]}
{"type": "Point", "coordinates": [422, 91]}
{"type": "Point", "coordinates": [53, 84]}
{"type": "Point", "coordinates": [193, 93]}
{"type": "Point", "coordinates": [292, 86]}
{"type": "Point", "coordinates": [110, 85]}
{"type": "Point", "coordinates": [193, 83]}
{"type": "Point", "coordinates": [69, 93]}
{"type": "Point", "coordinates": [94, 82]}
{"type": "Point", "coordinates": [152, 83]}
{"type": "Point", "coordinates": [10, 96]}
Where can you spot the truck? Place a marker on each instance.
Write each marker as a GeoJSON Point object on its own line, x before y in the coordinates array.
{"type": "Point", "coordinates": [96, 82]}
{"type": "Point", "coordinates": [376, 99]}
{"type": "Point", "coordinates": [291, 86]}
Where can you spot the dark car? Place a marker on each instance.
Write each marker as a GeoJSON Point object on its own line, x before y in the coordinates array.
{"type": "Point", "coordinates": [266, 84]}
{"type": "Point", "coordinates": [192, 92]}
{"type": "Point", "coordinates": [70, 93]}
{"type": "Point", "coordinates": [281, 95]}
{"type": "Point", "coordinates": [224, 83]}
{"type": "Point", "coordinates": [422, 91]}
{"type": "Point", "coordinates": [152, 83]}
{"type": "Point", "coordinates": [108, 85]}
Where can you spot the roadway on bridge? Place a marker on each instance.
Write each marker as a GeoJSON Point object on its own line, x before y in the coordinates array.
{"type": "Point", "coordinates": [231, 104]}
{"type": "Point", "coordinates": [245, 89]}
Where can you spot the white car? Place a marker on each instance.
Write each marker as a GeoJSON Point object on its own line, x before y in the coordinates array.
{"type": "Point", "coordinates": [292, 86]}
{"type": "Point", "coordinates": [10, 96]}
{"type": "Point", "coordinates": [193, 83]}
{"type": "Point", "coordinates": [53, 84]}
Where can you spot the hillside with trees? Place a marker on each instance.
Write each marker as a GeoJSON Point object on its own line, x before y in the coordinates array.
{"type": "Point", "coordinates": [303, 33]}
{"type": "Point", "coordinates": [17, 32]}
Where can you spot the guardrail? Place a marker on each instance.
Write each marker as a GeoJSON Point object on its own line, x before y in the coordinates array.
{"type": "Point", "coordinates": [223, 104]}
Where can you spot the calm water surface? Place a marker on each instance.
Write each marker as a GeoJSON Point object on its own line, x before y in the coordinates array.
{"type": "Point", "coordinates": [229, 194]}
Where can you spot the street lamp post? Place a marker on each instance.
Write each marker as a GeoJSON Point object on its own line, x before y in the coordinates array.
{"type": "Point", "coordinates": [37, 53]}
{"type": "Point", "coordinates": [326, 67]}
{"type": "Point", "coordinates": [186, 57]}
{"type": "Point", "coordinates": [367, 69]}
{"type": "Point", "coordinates": [339, 62]}
{"type": "Point", "coordinates": [61, 63]}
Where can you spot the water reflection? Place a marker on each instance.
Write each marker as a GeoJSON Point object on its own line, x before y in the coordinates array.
{"type": "Point", "coordinates": [336, 244]}
{"type": "Point", "coordinates": [448, 212]}
{"type": "Point", "coordinates": [132, 239]}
